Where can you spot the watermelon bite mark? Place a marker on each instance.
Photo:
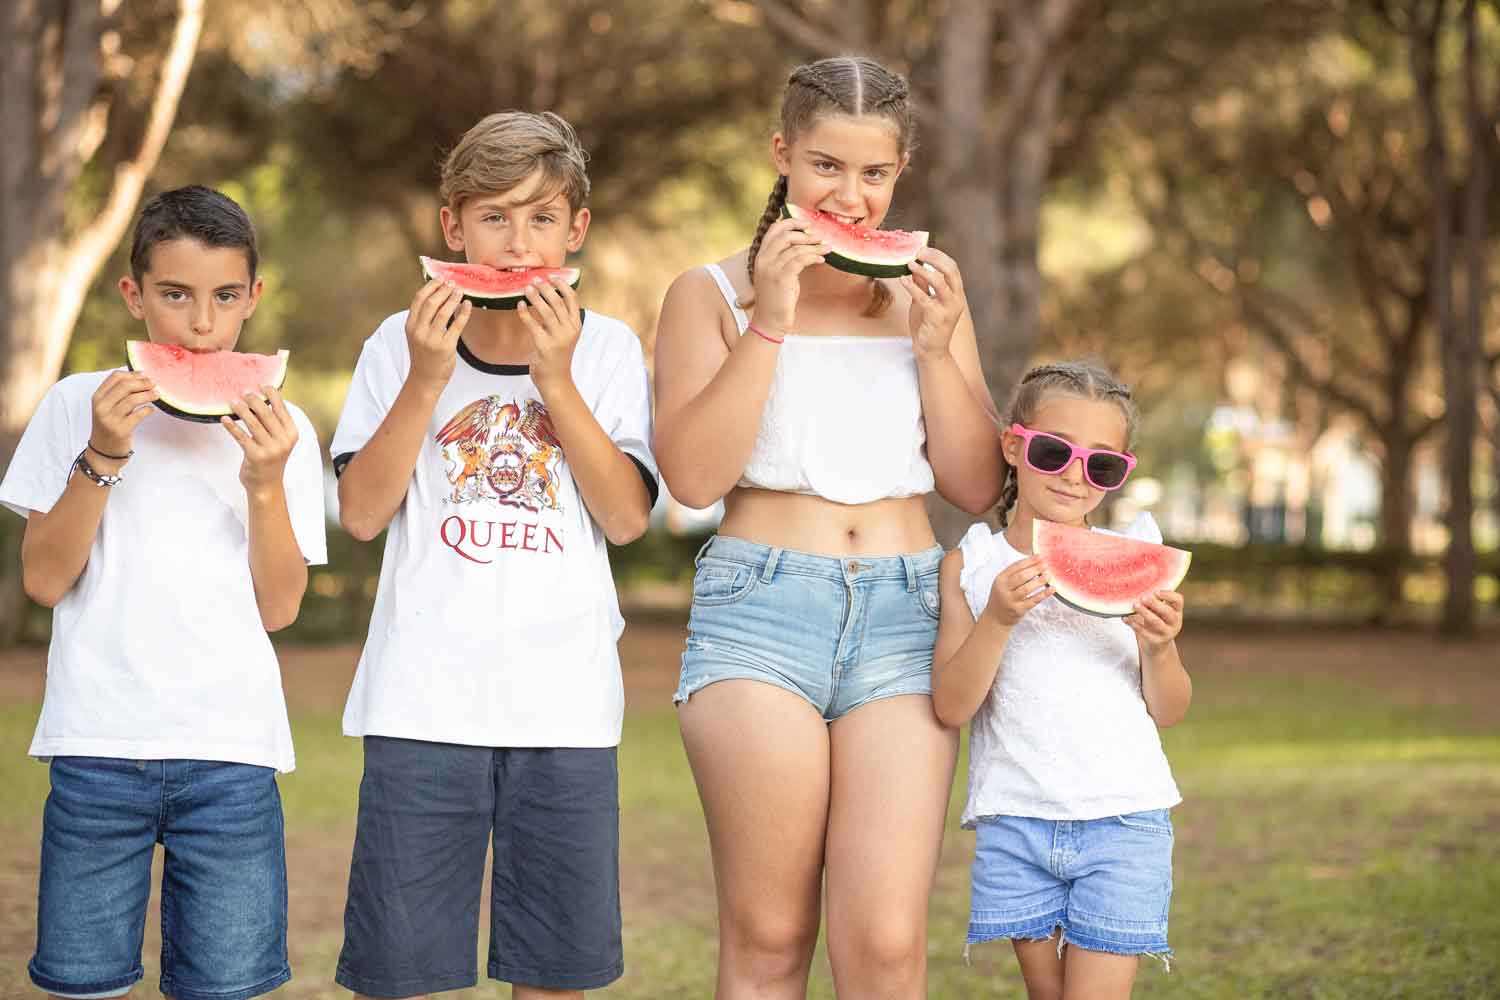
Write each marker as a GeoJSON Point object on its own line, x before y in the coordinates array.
{"type": "Point", "coordinates": [492, 288]}
{"type": "Point", "coordinates": [874, 253]}
{"type": "Point", "coordinates": [194, 385]}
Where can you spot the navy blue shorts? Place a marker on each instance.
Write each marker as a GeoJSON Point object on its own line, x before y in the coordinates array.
{"type": "Point", "coordinates": [427, 814]}
{"type": "Point", "coordinates": [223, 883]}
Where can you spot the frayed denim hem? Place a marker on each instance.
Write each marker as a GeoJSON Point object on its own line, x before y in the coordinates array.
{"type": "Point", "coordinates": [1043, 930]}
{"type": "Point", "coordinates": [1038, 928]}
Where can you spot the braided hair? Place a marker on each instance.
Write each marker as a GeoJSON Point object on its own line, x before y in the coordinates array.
{"type": "Point", "coordinates": [844, 85]}
{"type": "Point", "coordinates": [1081, 379]}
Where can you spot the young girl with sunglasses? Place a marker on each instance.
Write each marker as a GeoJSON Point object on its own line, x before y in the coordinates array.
{"type": "Point", "coordinates": [1069, 790]}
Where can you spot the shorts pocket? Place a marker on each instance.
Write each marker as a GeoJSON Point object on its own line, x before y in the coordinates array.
{"type": "Point", "coordinates": [1158, 821]}
{"type": "Point", "coordinates": [719, 583]}
{"type": "Point", "coordinates": [927, 596]}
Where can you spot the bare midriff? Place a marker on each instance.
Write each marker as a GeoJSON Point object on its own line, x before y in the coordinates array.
{"type": "Point", "coordinates": [811, 524]}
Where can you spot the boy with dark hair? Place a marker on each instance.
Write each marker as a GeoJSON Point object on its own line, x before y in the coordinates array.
{"type": "Point", "coordinates": [167, 550]}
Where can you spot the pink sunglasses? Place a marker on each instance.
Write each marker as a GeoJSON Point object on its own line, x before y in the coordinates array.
{"type": "Point", "coordinates": [1049, 454]}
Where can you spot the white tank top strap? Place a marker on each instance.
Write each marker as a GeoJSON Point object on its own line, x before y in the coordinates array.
{"type": "Point", "coordinates": [741, 318]}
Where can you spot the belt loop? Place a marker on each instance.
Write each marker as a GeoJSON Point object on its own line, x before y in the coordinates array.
{"type": "Point", "coordinates": [702, 549]}
{"type": "Point", "coordinates": [911, 573]}
{"type": "Point", "coordinates": [769, 569]}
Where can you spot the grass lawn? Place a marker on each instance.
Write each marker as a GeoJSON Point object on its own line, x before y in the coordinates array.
{"type": "Point", "coordinates": [1340, 835]}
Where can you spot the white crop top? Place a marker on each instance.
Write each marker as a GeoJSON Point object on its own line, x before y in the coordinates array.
{"type": "Point", "coordinates": [843, 420]}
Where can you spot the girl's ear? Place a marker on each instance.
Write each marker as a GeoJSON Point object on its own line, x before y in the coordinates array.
{"type": "Point", "coordinates": [781, 154]}
{"type": "Point", "coordinates": [1010, 447]}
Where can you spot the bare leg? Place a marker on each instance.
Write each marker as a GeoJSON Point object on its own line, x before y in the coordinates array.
{"type": "Point", "coordinates": [892, 773]}
{"type": "Point", "coordinates": [1098, 975]}
{"type": "Point", "coordinates": [1041, 967]}
{"type": "Point", "coordinates": [537, 993]}
{"type": "Point", "coordinates": [760, 757]}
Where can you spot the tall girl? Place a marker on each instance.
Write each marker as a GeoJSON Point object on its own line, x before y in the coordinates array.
{"type": "Point", "coordinates": [821, 407]}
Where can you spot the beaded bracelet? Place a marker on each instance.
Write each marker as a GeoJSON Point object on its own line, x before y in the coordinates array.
{"type": "Point", "coordinates": [763, 335]}
{"type": "Point", "coordinates": [97, 478]}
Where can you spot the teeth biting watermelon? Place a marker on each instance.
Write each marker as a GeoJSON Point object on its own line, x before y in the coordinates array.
{"type": "Point", "coordinates": [199, 385]}
{"type": "Point", "coordinates": [492, 288]}
{"type": "Point", "coordinates": [874, 253]}
{"type": "Point", "coordinates": [1103, 574]}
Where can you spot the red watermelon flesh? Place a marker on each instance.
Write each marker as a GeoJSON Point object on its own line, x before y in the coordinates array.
{"type": "Point", "coordinates": [490, 287]}
{"type": "Point", "coordinates": [874, 253]}
{"type": "Point", "coordinates": [1105, 574]}
{"type": "Point", "coordinates": [199, 385]}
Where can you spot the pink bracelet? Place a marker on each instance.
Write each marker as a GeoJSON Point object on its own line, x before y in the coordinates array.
{"type": "Point", "coordinates": [763, 335]}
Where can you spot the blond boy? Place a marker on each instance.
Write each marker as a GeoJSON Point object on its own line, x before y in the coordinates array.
{"type": "Point", "coordinates": [498, 450]}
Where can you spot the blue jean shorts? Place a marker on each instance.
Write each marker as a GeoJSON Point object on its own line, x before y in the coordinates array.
{"type": "Point", "coordinates": [223, 886]}
{"type": "Point", "coordinates": [1106, 882]}
{"type": "Point", "coordinates": [428, 813]}
{"type": "Point", "coordinates": [839, 632]}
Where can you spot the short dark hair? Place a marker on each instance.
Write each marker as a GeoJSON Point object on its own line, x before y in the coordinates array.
{"type": "Point", "coordinates": [193, 212]}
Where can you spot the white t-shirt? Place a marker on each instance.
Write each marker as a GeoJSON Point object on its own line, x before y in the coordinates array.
{"type": "Point", "coordinates": [496, 618]}
{"type": "Point", "coordinates": [1064, 732]}
{"type": "Point", "coordinates": [158, 649]}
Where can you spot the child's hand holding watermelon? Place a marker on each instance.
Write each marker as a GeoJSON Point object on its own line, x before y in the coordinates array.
{"type": "Point", "coordinates": [1157, 620]}
{"type": "Point", "coordinates": [552, 317]}
{"type": "Point", "coordinates": [1017, 590]}
{"type": "Point", "coordinates": [267, 434]}
{"type": "Point", "coordinates": [119, 405]}
{"type": "Point", "coordinates": [937, 302]}
{"type": "Point", "coordinates": [434, 323]}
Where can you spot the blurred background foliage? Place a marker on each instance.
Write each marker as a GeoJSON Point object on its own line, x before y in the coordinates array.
{"type": "Point", "coordinates": [1229, 201]}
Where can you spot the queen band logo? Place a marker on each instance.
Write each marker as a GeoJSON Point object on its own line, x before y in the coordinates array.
{"type": "Point", "coordinates": [502, 451]}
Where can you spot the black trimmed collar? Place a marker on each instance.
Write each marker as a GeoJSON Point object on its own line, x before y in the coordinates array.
{"type": "Point", "coordinates": [473, 361]}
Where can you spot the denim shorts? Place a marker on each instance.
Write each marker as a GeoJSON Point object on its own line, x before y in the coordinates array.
{"type": "Point", "coordinates": [223, 886]}
{"type": "Point", "coordinates": [428, 812]}
{"type": "Point", "coordinates": [840, 632]}
{"type": "Point", "coordinates": [1106, 882]}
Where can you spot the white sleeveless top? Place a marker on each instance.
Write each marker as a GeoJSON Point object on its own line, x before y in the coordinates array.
{"type": "Point", "coordinates": [1064, 732]}
{"type": "Point", "coordinates": [843, 419]}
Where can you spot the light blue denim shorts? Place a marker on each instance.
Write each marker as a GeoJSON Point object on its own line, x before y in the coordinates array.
{"type": "Point", "coordinates": [1106, 882]}
{"type": "Point", "coordinates": [839, 632]}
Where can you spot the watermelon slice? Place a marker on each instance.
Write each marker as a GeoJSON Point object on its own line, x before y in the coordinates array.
{"type": "Point", "coordinates": [198, 385]}
{"type": "Point", "coordinates": [874, 253]}
{"type": "Point", "coordinates": [489, 287]}
{"type": "Point", "coordinates": [1103, 574]}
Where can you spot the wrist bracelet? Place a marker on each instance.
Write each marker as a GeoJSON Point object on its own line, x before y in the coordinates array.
{"type": "Point", "coordinates": [112, 458]}
{"type": "Point", "coordinates": [98, 479]}
{"type": "Point", "coordinates": [763, 335]}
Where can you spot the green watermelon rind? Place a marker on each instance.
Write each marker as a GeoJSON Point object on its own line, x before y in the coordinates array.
{"type": "Point", "coordinates": [864, 266]}
{"type": "Point", "coordinates": [1081, 602]}
{"type": "Point", "coordinates": [186, 411]}
{"type": "Point", "coordinates": [482, 300]}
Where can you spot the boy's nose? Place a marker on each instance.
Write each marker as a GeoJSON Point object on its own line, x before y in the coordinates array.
{"type": "Point", "coordinates": [203, 319]}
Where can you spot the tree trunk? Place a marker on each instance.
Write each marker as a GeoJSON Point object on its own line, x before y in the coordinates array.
{"type": "Point", "coordinates": [1395, 518]}
{"type": "Point", "coordinates": [991, 178]}
{"type": "Point", "coordinates": [966, 206]}
{"type": "Point", "coordinates": [53, 121]}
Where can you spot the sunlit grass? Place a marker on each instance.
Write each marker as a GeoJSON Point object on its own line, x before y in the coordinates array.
{"type": "Point", "coordinates": [1331, 844]}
